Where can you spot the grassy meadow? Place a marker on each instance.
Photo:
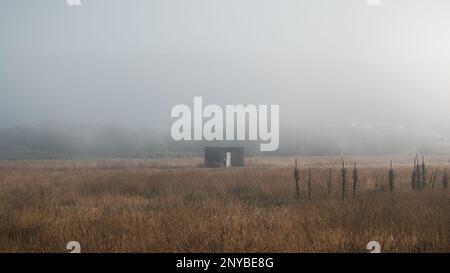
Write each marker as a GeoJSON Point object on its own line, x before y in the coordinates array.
{"type": "Point", "coordinates": [176, 205]}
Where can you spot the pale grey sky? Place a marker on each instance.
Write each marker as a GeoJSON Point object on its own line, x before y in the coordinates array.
{"type": "Point", "coordinates": [128, 62]}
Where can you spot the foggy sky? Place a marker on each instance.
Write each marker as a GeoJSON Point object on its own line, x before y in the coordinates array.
{"type": "Point", "coordinates": [325, 62]}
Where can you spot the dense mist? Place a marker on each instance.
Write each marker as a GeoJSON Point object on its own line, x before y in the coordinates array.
{"type": "Point", "coordinates": [100, 79]}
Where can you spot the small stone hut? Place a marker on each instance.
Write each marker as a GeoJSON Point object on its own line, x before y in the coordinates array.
{"type": "Point", "coordinates": [224, 156]}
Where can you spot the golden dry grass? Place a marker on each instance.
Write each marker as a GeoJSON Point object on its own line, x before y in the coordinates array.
{"type": "Point", "coordinates": [175, 206]}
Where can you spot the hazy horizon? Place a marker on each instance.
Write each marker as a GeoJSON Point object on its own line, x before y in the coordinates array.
{"type": "Point", "coordinates": [328, 64]}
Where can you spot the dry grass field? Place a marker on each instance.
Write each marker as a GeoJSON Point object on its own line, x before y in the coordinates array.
{"type": "Point", "coordinates": [177, 206]}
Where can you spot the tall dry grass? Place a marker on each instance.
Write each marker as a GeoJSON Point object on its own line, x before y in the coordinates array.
{"type": "Point", "coordinates": [175, 206]}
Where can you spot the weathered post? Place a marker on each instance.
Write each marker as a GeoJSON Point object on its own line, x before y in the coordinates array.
{"type": "Point", "coordinates": [344, 178]}
{"type": "Point", "coordinates": [432, 179]}
{"type": "Point", "coordinates": [355, 179]}
{"type": "Point", "coordinates": [309, 183]}
{"type": "Point", "coordinates": [330, 176]}
{"type": "Point", "coordinates": [424, 174]}
{"type": "Point", "coordinates": [297, 178]}
{"type": "Point", "coordinates": [445, 180]}
{"type": "Point", "coordinates": [391, 178]}
{"type": "Point", "coordinates": [415, 174]}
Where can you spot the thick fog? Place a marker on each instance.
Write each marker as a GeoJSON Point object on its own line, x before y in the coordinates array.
{"type": "Point", "coordinates": [329, 64]}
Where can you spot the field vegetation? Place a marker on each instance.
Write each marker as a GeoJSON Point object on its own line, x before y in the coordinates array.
{"type": "Point", "coordinates": [176, 205]}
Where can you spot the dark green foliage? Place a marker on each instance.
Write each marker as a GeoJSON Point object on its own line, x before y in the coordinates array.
{"type": "Point", "coordinates": [419, 174]}
{"type": "Point", "coordinates": [194, 197]}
